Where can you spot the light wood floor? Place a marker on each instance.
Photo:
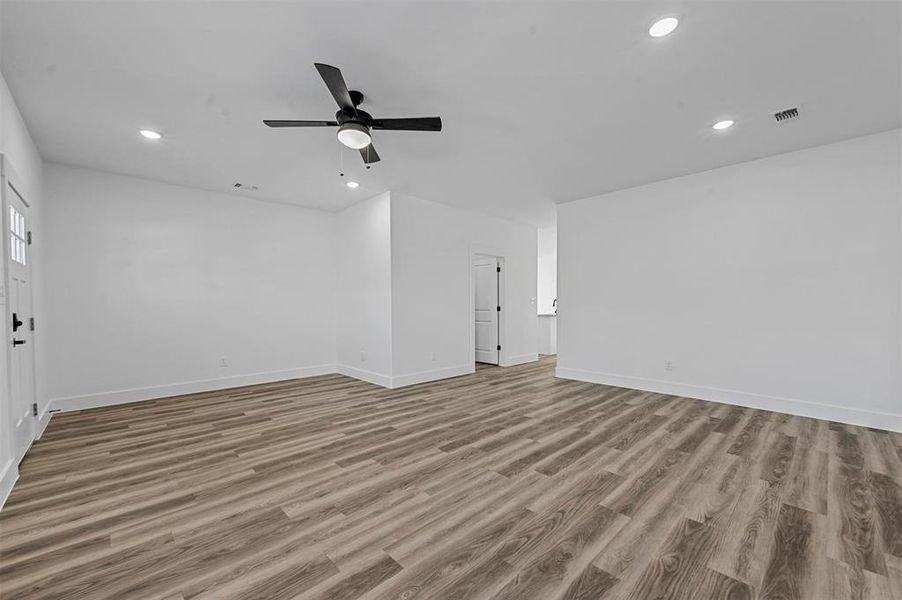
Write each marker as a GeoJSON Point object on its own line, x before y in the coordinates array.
{"type": "Point", "coordinates": [507, 484]}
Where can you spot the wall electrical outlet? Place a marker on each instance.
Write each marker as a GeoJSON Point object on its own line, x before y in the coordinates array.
{"type": "Point", "coordinates": [668, 365]}
{"type": "Point", "coordinates": [362, 356]}
{"type": "Point", "coordinates": [223, 361]}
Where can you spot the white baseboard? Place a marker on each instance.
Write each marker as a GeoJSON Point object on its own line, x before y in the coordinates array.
{"type": "Point", "coordinates": [8, 479]}
{"type": "Point", "coordinates": [85, 401]}
{"type": "Point", "coordinates": [804, 408]}
{"type": "Point", "coordinates": [42, 422]}
{"type": "Point", "coordinates": [399, 381]}
{"type": "Point", "coordinates": [364, 375]}
{"type": "Point", "coordinates": [187, 387]}
{"type": "Point", "coordinates": [520, 359]}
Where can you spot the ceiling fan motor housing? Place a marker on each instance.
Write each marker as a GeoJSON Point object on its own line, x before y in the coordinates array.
{"type": "Point", "coordinates": [361, 116]}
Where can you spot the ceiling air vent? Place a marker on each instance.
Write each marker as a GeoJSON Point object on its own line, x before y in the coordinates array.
{"type": "Point", "coordinates": [243, 186]}
{"type": "Point", "coordinates": [785, 115]}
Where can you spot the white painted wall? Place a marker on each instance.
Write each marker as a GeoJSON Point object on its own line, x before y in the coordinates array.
{"type": "Point", "coordinates": [546, 276]}
{"type": "Point", "coordinates": [773, 283]}
{"type": "Point", "coordinates": [153, 283]}
{"type": "Point", "coordinates": [364, 324]}
{"type": "Point", "coordinates": [16, 144]}
{"type": "Point", "coordinates": [432, 314]}
{"type": "Point", "coordinates": [547, 334]}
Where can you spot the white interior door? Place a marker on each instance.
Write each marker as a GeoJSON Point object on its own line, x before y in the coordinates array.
{"type": "Point", "coordinates": [485, 276]}
{"type": "Point", "coordinates": [19, 336]}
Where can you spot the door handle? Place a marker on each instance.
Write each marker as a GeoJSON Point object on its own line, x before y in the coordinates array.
{"type": "Point", "coordinates": [16, 322]}
{"type": "Point", "coordinates": [18, 342]}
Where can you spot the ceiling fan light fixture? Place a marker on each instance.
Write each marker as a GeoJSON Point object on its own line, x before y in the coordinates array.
{"type": "Point", "coordinates": [354, 135]}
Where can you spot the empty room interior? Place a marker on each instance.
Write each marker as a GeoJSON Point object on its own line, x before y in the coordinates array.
{"type": "Point", "coordinates": [472, 300]}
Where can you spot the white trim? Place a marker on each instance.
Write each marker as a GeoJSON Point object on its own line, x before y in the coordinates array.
{"type": "Point", "coordinates": [187, 387]}
{"type": "Point", "coordinates": [804, 408]}
{"type": "Point", "coordinates": [520, 359]}
{"type": "Point", "coordinates": [433, 375]}
{"type": "Point", "coordinates": [42, 422]}
{"type": "Point", "coordinates": [85, 401]}
{"type": "Point", "coordinates": [8, 480]}
{"type": "Point", "coordinates": [364, 375]}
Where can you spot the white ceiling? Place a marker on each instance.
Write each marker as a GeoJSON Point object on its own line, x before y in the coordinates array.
{"type": "Point", "coordinates": [541, 102]}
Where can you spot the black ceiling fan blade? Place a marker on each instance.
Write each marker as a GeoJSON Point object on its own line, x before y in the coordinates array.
{"type": "Point", "coordinates": [336, 84]}
{"type": "Point", "coordinates": [277, 123]}
{"type": "Point", "coordinates": [414, 124]}
{"type": "Point", "coordinates": [369, 154]}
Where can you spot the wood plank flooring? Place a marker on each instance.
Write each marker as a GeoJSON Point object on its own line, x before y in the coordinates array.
{"type": "Point", "coordinates": [506, 484]}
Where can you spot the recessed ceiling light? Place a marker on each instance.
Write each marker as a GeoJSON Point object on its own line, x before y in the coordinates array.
{"type": "Point", "coordinates": [150, 134]}
{"type": "Point", "coordinates": [663, 27]}
{"type": "Point", "coordinates": [723, 125]}
{"type": "Point", "coordinates": [353, 185]}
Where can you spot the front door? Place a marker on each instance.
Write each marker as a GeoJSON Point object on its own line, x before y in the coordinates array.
{"type": "Point", "coordinates": [21, 345]}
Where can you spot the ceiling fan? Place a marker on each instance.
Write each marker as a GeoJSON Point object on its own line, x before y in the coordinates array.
{"type": "Point", "coordinates": [353, 124]}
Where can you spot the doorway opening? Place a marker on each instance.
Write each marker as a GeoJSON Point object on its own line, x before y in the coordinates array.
{"type": "Point", "coordinates": [488, 309]}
